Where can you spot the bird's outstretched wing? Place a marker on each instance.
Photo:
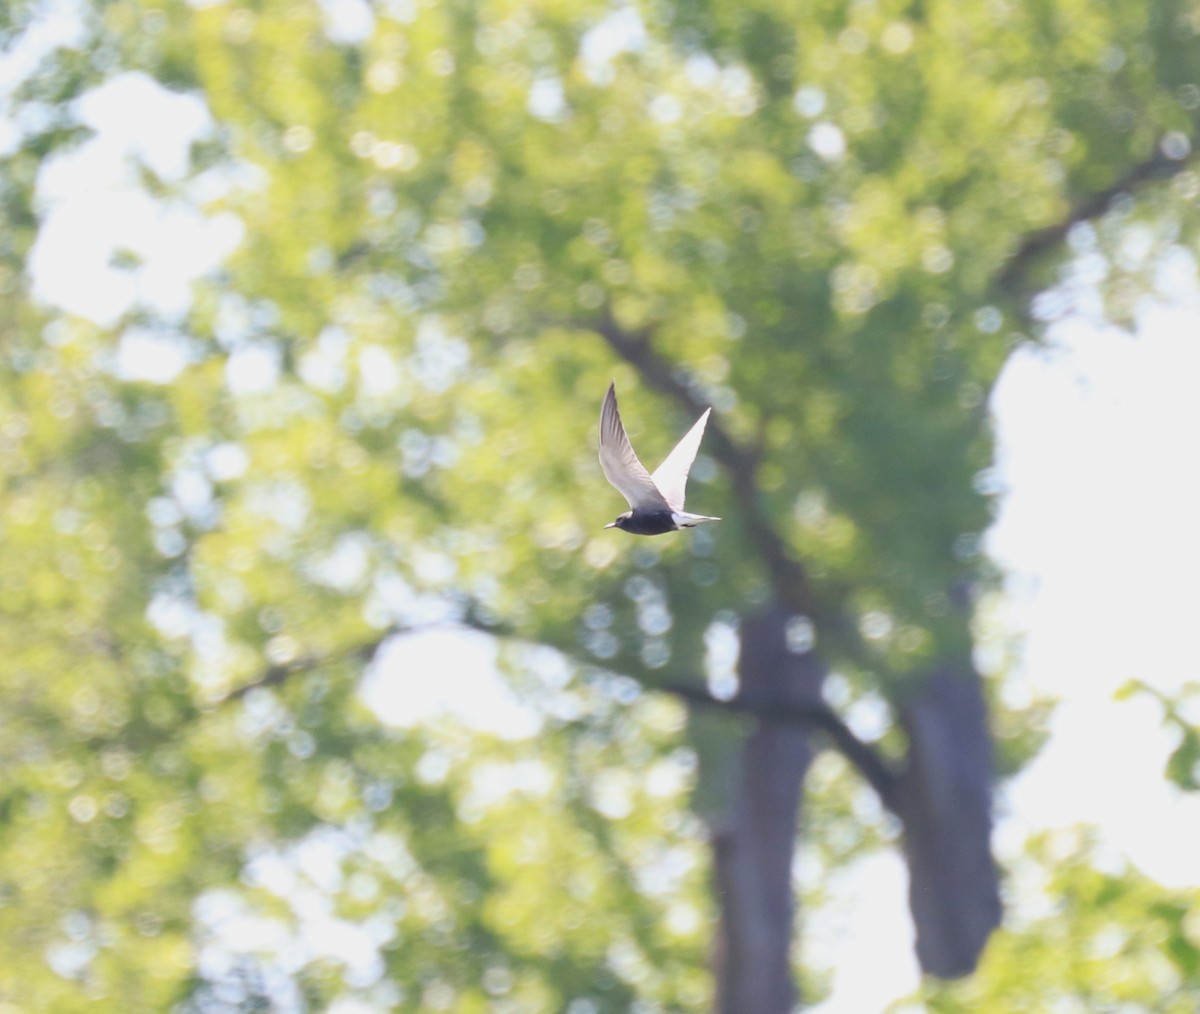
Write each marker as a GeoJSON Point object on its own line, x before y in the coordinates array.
{"type": "Point", "coordinates": [621, 465]}
{"type": "Point", "coordinates": [672, 475]}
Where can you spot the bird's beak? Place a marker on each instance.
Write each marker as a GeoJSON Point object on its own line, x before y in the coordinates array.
{"type": "Point", "coordinates": [611, 525]}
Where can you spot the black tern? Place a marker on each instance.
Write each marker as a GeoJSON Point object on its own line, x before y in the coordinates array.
{"type": "Point", "coordinates": [656, 500]}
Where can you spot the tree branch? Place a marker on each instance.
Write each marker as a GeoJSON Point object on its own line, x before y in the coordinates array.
{"type": "Point", "coordinates": [277, 674]}
{"type": "Point", "coordinates": [870, 764]}
{"type": "Point", "coordinates": [363, 653]}
{"type": "Point", "coordinates": [1040, 241]}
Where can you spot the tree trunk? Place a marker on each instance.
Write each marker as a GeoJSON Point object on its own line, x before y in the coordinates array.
{"type": "Point", "coordinates": [944, 800]}
{"type": "Point", "coordinates": [754, 843]}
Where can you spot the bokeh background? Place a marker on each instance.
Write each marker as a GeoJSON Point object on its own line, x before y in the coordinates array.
{"type": "Point", "coordinates": [322, 687]}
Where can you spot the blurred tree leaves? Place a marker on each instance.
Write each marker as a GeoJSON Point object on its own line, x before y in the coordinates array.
{"type": "Point", "coordinates": [827, 221]}
{"type": "Point", "coordinates": [1179, 715]}
{"type": "Point", "coordinates": [1112, 939]}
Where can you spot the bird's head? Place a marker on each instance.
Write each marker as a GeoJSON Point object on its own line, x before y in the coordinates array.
{"type": "Point", "coordinates": [622, 520]}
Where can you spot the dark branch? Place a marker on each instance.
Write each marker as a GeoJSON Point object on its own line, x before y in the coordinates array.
{"type": "Point", "coordinates": [870, 764]}
{"type": "Point", "coordinates": [1157, 167]}
{"type": "Point", "coordinates": [363, 653]}
{"type": "Point", "coordinates": [277, 674]}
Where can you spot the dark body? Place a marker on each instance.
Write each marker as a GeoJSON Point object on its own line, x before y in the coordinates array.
{"type": "Point", "coordinates": [647, 522]}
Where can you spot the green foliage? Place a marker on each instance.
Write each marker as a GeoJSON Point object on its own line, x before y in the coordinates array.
{"type": "Point", "coordinates": [807, 213]}
{"type": "Point", "coordinates": [1111, 940]}
{"type": "Point", "coordinates": [1179, 711]}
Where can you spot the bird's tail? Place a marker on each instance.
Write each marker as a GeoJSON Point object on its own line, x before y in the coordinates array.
{"type": "Point", "coordinates": [685, 520]}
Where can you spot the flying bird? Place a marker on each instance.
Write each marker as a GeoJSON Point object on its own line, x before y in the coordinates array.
{"type": "Point", "coordinates": [656, 501]}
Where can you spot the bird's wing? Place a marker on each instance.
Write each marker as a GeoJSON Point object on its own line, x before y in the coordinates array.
{"type": "Point", "coordinates": [620, 464]}
{"type": "Point", "coordinates": [672, 475]}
